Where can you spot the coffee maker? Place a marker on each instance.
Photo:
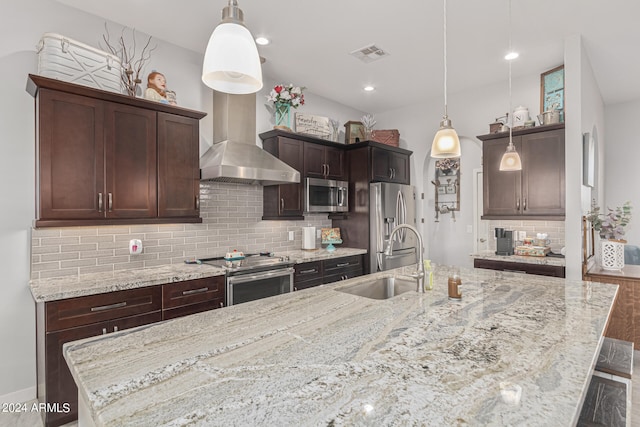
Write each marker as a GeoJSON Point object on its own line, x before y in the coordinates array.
{"type": "Point", "coordinates": [504, 244]}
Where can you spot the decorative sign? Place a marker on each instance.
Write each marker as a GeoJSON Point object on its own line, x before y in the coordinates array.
{"type": "Point", "coordinates": [552, 89]}
{"type": "Point", "coordinates": [313, 125]}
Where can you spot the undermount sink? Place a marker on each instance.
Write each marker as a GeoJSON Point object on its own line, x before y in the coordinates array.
{"type": "Point", "coordinates": [383, 288]}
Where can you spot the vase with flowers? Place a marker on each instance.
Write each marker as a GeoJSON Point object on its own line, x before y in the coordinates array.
{"type": "Point", "coordinates": [285, 97]}
{"type": "Point", "coordinates": [610, 227]}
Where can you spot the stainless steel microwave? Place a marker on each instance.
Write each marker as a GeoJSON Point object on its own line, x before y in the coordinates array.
{"type": "Point", "coordinates": [326, 195]}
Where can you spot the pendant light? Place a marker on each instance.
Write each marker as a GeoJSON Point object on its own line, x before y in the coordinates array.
{"type": "Point", "coordinates": [446, 142]}
{"type": "Point", "coordinates": [510, 159]}
{"type": "Point", "coordinates": [231, 61]}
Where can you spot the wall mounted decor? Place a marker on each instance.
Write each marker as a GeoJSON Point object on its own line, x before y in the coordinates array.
{"type": "Point", "coordinates": [447, 185]}
{"type": "Point", "coordinates": [552, 89]}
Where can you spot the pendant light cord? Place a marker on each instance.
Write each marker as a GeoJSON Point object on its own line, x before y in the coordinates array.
{"type": "Point", "coordinates": [510, 97]}
{"type": "Point", "coordinates": [445, 58]}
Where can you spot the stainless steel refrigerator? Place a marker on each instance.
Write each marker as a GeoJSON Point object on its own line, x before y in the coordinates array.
{"type": "Point", "coordinates": [391, 205]}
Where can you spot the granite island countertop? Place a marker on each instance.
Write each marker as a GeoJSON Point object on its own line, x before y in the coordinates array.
{"type": "Point", "coordinates": [515, 350]}
{"type": "Point", "coordinates": [58, 288]}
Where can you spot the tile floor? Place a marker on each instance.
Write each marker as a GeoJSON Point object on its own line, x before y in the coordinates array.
{"type": "Point", "coordinates": [32, 419]}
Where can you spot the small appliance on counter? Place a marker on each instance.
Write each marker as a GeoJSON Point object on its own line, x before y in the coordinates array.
{"type": "Point", "coordinates": [308, 238]}
{"type": "Point", "coordinates": [504, 244]}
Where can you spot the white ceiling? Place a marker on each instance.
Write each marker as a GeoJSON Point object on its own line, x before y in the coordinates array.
{"type": "Point", "coordinates": [311, 41]}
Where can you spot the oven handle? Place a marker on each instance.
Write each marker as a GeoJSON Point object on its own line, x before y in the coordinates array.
{"type": "Point", "coordinates": [244, 278]}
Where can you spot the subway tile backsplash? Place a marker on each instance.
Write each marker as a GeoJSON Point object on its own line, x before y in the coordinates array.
{"type": "Point", "coordinates": [231, 216]}
{"type": "Point", "coordinates": [555, 230]}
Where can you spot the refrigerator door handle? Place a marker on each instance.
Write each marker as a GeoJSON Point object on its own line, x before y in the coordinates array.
{"type": "Point", "coordinates": [401, 214]}
{"type": "Point", "coordinates": [379, 221]}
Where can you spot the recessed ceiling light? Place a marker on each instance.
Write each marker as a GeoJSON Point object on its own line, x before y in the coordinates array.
{"type": "Point", "coordinates": [262, 41]}
{"type": "Point", "coordinates": [369, 88]}
{"type": "Point", "coordinates": [511, 56]}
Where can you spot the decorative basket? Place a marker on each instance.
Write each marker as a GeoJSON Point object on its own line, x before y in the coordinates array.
{"type": "Point", "coordinates": [389, 137]}
{"type": "Point", "coordinates": [612, 255]}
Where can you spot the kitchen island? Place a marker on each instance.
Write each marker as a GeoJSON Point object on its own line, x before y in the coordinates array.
{"type": "Point", "coordinates": [515, 350]}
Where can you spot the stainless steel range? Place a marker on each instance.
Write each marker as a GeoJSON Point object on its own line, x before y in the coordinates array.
{"type": "Point", "coordinates": [254, 277]}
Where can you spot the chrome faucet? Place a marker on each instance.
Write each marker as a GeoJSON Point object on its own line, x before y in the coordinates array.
{"type": "Point", "coordinates": [419, 273]}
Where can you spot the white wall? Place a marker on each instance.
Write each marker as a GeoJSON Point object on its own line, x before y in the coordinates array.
{"type": "Point", "coordinates": [471, 112]}
{"type": "Point", "coordinates": [585, 113]}
{"type": "Point", "coordinates": [622, 152]}
{"type": "Point", "coordinates": [25, 22]}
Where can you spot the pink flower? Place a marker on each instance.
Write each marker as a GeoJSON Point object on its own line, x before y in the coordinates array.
{"type": "Point", "coordinates": [278, 89]}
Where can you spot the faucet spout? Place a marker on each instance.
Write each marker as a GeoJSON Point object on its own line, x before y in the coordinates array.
{"type": "Point", "coordinates": [419, 273]}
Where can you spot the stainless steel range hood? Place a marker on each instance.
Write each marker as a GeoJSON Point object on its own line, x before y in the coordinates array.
{"type": "Point", "coordinates": [234, 156]}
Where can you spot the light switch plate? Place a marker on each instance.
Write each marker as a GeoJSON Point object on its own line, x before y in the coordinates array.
{"type": "Point", "coordinates": [291, 235]}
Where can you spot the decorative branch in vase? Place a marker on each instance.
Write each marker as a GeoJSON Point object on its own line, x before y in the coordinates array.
{"type": "Point", "coordinates": [131, 67]}
{"type": "Point", "coordinates": [368, 121]}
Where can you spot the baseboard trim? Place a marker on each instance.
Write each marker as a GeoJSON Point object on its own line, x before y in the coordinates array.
{"type": "Point", "coordinates": [20, 396]}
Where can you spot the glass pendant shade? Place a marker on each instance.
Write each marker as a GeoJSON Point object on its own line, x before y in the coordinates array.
{"type": "Point", "coordinates": [510, 159]}
{"type": "Point", "coordinates": [446, 142]}
{"type": "Point", "coordinates": [231, 61]}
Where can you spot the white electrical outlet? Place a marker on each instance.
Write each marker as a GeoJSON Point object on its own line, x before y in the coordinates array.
{"type": "Point", "coordinates": [318, 233]}
{"type": "Point", "coordinates": [135, 246]}
{"type": "Point", "coordinates": [291, 235]}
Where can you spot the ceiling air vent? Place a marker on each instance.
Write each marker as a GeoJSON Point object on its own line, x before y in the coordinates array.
{"type": "Point", "coordinates": [369, 53]}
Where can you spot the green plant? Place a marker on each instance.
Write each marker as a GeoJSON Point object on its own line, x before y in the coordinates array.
{"type": "Point", "coordinates": [610, 225]}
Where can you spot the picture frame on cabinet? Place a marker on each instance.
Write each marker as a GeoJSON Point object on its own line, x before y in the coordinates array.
{"type": "Point", "coordinates": [588, 160]}
{"type": "Point", "coordinates": [552, 89]}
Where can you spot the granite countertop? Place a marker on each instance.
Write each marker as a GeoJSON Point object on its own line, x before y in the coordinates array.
{"type": "Point", "coordinates": [515, 350]}
{"type": "Point", "coordinates": [543, 260]}
{"type": "Point", "coordinates": [96, 283]}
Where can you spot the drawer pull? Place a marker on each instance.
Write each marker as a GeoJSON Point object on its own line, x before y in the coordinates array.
{"type": "Point", "coordinates": [195, 291]}
{"type": "Point", "coordinates": [344, 264]}
{"type": "Point", "coordinates": [115, 329]}
{"type": "Point", "coordinates": [109, 307]}
{"type": "Point", "coordinates": [515, 271]}
{"type": "Point", "coordinates": [313, 270]}
{"type": "Point", "coordinates": [104, 331]}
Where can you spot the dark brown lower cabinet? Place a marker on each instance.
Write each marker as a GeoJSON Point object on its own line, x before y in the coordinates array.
{"type": "Point", "coordinates": [520, 267]}
{"type": "Point", "coordinates": [624, 321]}
{"type": "Point", "coordinates": [192, 296]}
{"type": "Point", "coordinates": [314, 273]}
{"type": "Point", "coordinates": [62, 321]}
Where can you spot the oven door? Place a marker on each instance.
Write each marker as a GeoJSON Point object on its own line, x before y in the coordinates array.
{"type": "Point", "coordinates": [248, 287]}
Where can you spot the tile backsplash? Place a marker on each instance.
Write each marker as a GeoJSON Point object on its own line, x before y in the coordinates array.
{"type": "Point", "coordinates": [231, 215]}
{"type": "Point", "coordinates": [555, 230]}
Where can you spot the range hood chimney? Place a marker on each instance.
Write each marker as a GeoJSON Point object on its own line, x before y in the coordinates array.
{"type": "Point", "coordinates": [234, 156]}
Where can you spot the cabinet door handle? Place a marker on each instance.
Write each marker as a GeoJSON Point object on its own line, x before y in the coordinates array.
{"type": "Point", "coordinates": [390, 173]}
{"type": "Point", "coordinates": [197, 202]}
{"type": "Point", "coordinates": [344, 264]}
{"type": "Point", "coordinates": [518, 204]}
{"type": "Point", "coordinates": [195, 291]}
{"type": "Point", "coordinates": [110, 201]}
{"type": "Point", "coordinates": [393, 171]}
{"type": "Point", "coordinates": [109, 307]}
{"type": "Point", "coordinates": [99, 202]}
{"type": "Point", "coordinates": [524, 204]}
{"type": "Point", "coordinates": [514, 271]}
{"type": "Point", "coordinates": [282, 204]}
{"type": "Point", "coordinates": [328, 169]}
{"type": "Point", "coordinates": [313, 270]}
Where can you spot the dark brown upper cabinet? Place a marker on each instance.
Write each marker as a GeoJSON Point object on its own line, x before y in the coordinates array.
{"type": "Point", "coordinates": [535, 192]}
{"type": "Point", "coordinates": [106, 158]}
{"type": "Point", "coordinates": [321, 161]}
